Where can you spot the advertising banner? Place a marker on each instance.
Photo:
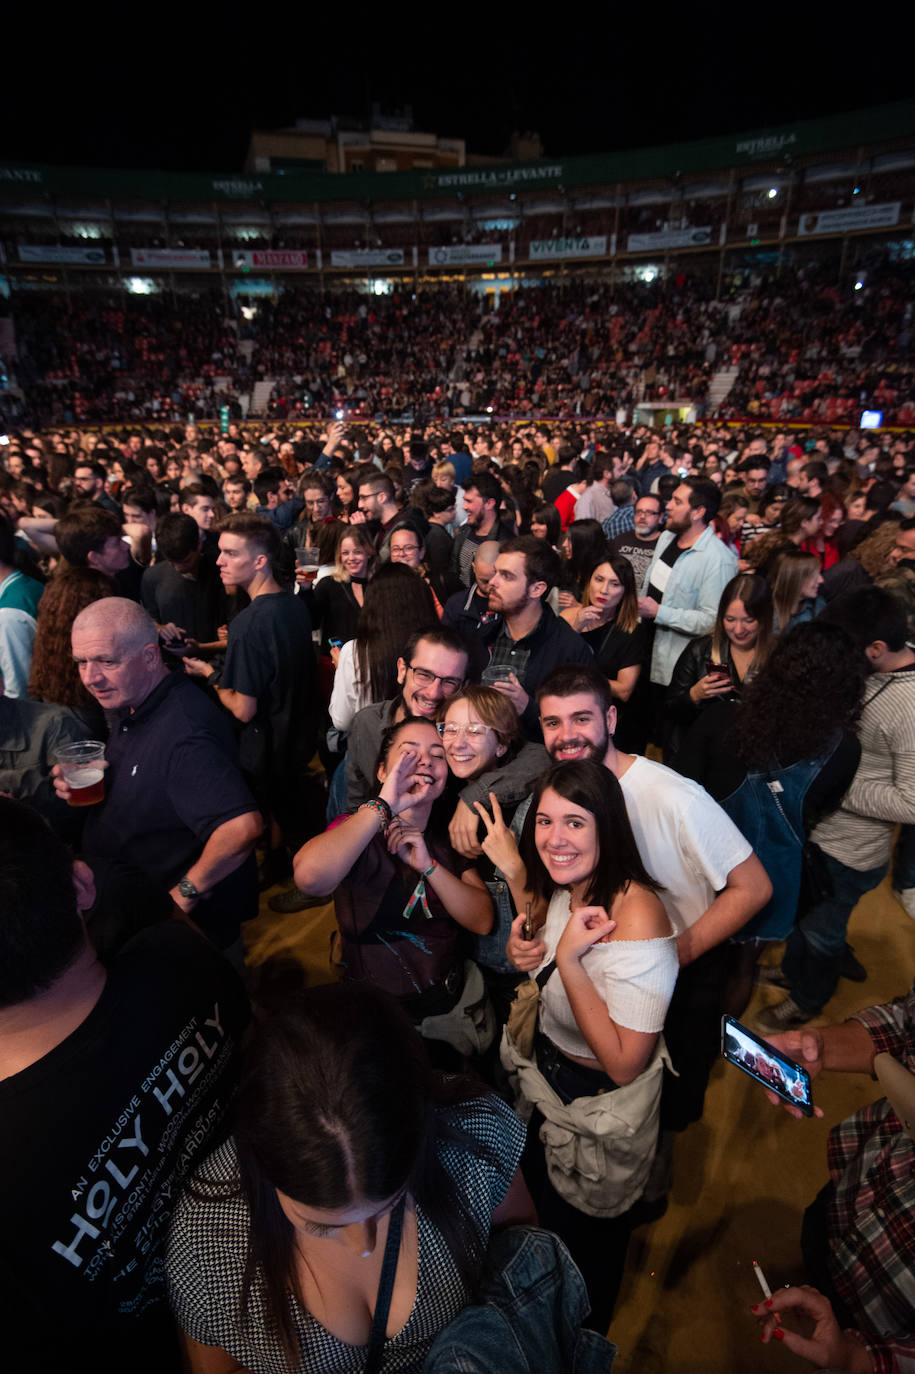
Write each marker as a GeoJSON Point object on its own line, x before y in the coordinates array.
{"type": "Point", "coordinates": [169, 257]}
{"type": "Point", "coordinates": [669, 238]}
{"type": "Point", "coordinates": [462, 254]}
{"type": "Point", "coordinates": [593, 247]}
{"type": "Point", "coordinates": [273, 259]}
{"type": "Point", "coordinates": [855, 217]}
{"type": "Point", "coordinates": [367, 257]}
{"type": "Point", "coordinates": [49, 252]}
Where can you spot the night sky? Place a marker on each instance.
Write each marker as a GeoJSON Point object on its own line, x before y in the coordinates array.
{"type": "Point", "coordinates": [146, 85]}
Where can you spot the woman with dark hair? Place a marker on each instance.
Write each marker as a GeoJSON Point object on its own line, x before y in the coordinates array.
{"type": "Point", "coordinates": [714, 667]}
{"type": "Point", "coordinates": [606, 960]}
{"type": "Point", "coordinates": [800, 519]}
{"type": "Point", "coordinates": [403, 896]}
{"type": "Point", "coordinates": [349, 1156]}
{"type": "Point", "coordinates": [346, 492]}
{"type": "Point", "coordinates": [608, 620]}
{"type": "Point", "coordinates": [545, 525]}
{"type": "Point", "coordinates": [583, 545]}
{"type": "Point", "coordinates": [781, 761]}
{"type": "Point", "coordinates": [770, 507]}
{"type": "Point", "coordinates": [397, 602]}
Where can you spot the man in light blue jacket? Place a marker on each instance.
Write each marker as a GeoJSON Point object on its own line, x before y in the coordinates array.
{"type": "Point", "coordinates": [690, 569]}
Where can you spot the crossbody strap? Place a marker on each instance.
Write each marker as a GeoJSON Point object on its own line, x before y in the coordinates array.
{"type": "Point", "coordinates": [545, 974]}
{"type": "Point", "coordinates": [385, 1289]}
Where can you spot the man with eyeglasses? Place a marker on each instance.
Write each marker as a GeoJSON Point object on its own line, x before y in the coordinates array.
{"type": "Point", "coordinates": [433, 667]}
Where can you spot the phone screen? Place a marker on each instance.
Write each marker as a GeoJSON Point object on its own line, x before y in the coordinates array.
{"type": "Point", "coordinates": [763, 1062]}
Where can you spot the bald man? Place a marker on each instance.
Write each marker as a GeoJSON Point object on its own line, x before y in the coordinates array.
{"type": "Point", "coordinates": [465, 611]}
{"type": "Point", "coordinates": [175, 833]}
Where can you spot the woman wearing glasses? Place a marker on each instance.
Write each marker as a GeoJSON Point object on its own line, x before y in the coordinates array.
{"type": "Point", "coordinates": [405, 900]}
{"type": "Point", "coordinates": [481, 734]}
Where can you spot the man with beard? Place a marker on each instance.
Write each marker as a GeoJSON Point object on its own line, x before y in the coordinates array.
{"type": "Point", "coordinates": [712, 883]}
{"type": "Point", "coordinates": [690, 569]}
{"type": "Point", "coordinates": [528, 639]}
{"type": "Point", "coordinates": [638, 544]}
{"type": "Point", "coordinates": [482, 495]}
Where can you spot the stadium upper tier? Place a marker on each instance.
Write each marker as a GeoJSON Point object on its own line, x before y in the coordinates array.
{"type": "Point", "coordinates": [848, 174]}
{"type": "Point", "coordinates": [797, 347]}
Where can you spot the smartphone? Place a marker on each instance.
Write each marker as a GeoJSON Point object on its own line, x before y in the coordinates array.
{"type": "Point", "coordinates": [179, 647]}
{"type": "Point", "coordinates": [763, 1062]}
{"type": "Point", "coordinates": [713, 669]}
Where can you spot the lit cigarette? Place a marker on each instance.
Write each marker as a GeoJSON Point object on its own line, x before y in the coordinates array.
{"type": "Point", "coordinates": [767, 1291]}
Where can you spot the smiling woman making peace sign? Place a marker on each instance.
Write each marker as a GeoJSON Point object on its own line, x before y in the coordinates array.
{"type": "Point", "coordinates": [402, 895]}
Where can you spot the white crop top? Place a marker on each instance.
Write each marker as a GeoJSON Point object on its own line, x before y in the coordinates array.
{"type": "Point", "coordinates": [634, 978]}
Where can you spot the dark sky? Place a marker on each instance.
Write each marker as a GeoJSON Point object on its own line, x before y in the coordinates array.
{"type": "Point", "coordinates": [144, 85]}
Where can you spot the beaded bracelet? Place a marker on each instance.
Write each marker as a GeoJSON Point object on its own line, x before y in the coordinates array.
{"type": "Point", "coordinates": [381, 807]}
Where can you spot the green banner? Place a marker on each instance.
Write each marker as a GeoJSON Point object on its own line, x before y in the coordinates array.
{"type": "Point", "coordinates": [800, 139]}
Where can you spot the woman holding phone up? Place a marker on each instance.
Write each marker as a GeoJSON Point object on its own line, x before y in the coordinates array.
{"type": "Point", "coordinates": [610, 960]}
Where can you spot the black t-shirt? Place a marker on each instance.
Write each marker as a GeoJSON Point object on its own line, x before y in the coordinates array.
{"type": "Point", "coordinates": [669, 556]}
{"type": "Point", "coordinates": [270, 656]}
{"type": "Point", "coordinates": [614, 649]}
{"type": "Point", "coordinates": [555, 481]}
{"type": "Point", "coordinates": [332, 605]}
{"type": "Point", "coordinates": [198, 604]}
{"type": "Point", "coordinates": [96, 1138]}
{"type": "Point", "coordinates": [639, 553]}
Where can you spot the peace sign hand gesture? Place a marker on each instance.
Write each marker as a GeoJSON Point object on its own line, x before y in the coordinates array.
{"type": "Point", "coordinates": [499, 844]}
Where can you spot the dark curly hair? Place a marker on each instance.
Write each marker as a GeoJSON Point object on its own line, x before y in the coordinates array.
{"type": "Point", "coordinates": [810, 687]}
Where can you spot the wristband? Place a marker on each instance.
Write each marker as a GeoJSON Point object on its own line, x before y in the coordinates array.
{"type": "Point", "coordinates": [427, 872]}
{"type": "Point", "coordinates": [381, 808]}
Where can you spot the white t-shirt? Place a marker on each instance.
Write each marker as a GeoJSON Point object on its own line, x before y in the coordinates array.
{"type": "Point", "coordinates": [633, 978]}
{"type": "Point", "coordinates": [686, 842]}
{"type": "Point", "coordinates": [347, 696]}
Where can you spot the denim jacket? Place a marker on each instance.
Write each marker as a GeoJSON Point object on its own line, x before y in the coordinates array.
{"type": "Point", "coordinates": [691, 597]}
{"type": "Point", "coordinates": [528, 1320]}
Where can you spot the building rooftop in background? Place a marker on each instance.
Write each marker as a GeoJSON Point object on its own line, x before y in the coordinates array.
{"type": "Point", "coordinates": [340, 144]}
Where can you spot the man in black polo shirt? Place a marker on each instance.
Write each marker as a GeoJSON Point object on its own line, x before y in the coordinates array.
{"type": "Point", "coordinates": [177, 827]}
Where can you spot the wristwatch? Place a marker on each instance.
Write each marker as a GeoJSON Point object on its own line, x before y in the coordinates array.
{"type": "Point", "coordinates": [187, 889]}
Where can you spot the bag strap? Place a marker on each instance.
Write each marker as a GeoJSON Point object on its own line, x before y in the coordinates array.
{"type": "Point", "coordinates": [545, 974]}
{"type": "Point", "coordinates": [385, 1290]}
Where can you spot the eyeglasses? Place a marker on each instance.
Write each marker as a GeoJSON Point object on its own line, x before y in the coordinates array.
{"type": "Point", "coordinates": [404, 548]}
{"type": "Point", "coordinates": [427, 678]}
{"type": "Point", "coordinates": [475, 731]}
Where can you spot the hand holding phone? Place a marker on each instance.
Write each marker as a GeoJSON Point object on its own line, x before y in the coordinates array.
{"type": "Point", "coordinates": [783, 1079]}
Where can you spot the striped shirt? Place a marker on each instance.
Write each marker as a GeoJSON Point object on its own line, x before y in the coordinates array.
{"type": "Point", "coordinates": [859, 833]}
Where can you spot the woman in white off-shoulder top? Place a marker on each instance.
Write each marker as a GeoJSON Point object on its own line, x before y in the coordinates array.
{"type": "Point", "coordinates": [600, 922]}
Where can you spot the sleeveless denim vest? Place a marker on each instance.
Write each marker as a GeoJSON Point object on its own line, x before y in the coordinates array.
{"type": "Point", "coordinates": [768, 808]}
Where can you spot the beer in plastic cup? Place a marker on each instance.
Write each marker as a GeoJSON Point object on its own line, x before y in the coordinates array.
{"type": "Point", "coordinates": [81, 767]}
